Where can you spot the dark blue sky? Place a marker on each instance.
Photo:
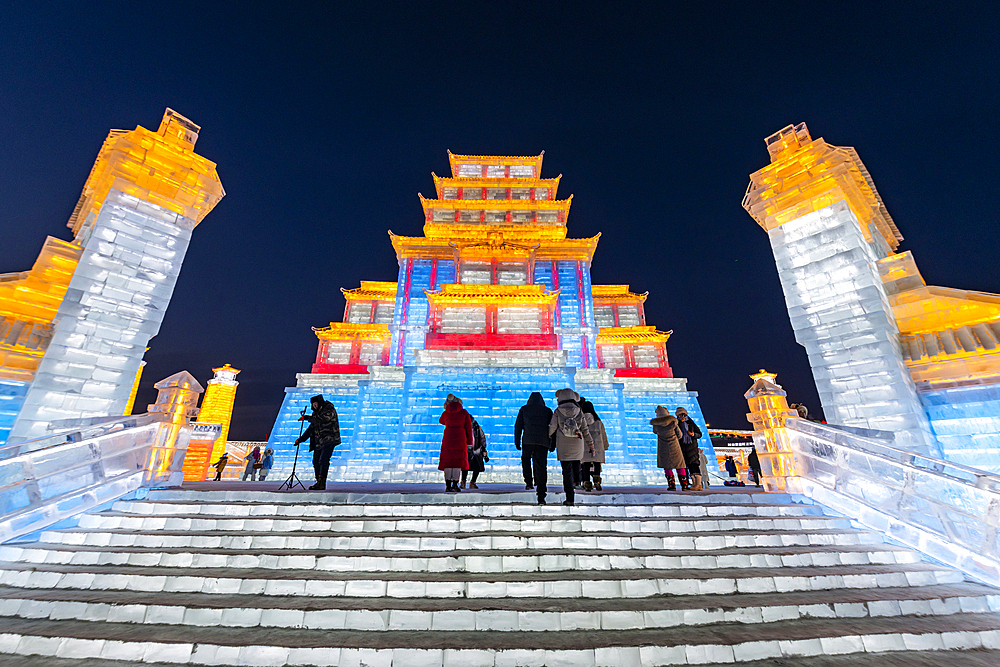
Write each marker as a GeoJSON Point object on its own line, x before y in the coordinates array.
{"type": "Point", "coordinates": [325, 123]}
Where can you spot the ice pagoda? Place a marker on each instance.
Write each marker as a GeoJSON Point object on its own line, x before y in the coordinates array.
{"type": "Point", "coordinates": [494, 301]}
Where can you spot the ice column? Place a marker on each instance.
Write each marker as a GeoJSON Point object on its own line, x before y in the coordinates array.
{"type": "Point", "coordinates": [828, 229]}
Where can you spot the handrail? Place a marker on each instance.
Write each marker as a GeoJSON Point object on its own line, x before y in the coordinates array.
{"type": "Point", "coordinates": [948, 511]}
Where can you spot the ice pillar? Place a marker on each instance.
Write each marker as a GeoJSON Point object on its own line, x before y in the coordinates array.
{"type": "Point", "coordinates": [828, 228]}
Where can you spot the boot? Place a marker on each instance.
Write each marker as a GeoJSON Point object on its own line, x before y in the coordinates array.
{"type": "Point", "coordinates": [587, 486]}
{"type": "Point", "coordinates": [447, 486]}
{"type": "Point", "coordinates": [462, 485]}
{"type": "Point", "coordinates": [697, 483]}
{"type": "Point", "coordinates": [597, 483]}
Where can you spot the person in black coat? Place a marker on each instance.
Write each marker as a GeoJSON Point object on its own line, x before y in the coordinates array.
{"type": "Point", "coordinates": [323, 435]}
{"type": "Point", "coordinates": [531, 436]}
{"type": "Point", "coordinates": [689, 446]}
{"type": "Point", "coordinates": [754, 463]}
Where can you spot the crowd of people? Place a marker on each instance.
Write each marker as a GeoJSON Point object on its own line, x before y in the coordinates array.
{"type": "Point", "coordinates": [573, 431]}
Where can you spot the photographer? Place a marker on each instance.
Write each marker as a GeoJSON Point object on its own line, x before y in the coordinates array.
{"type": "Point", "coordinates": [323, 434]}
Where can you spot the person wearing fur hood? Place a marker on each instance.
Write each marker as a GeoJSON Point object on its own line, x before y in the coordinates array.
{"type": "Point", "coordinates": [456, 442]}
{"type": "Point", "coordinates": [573, 438]}
{"type": "Point", "coordinates": [668, 445]}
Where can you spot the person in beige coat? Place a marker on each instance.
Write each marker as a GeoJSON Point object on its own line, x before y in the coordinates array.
{"type": "Point", "coordinates": [668, 446]}
{"type": "Point", "coordinates": [593, 461]}
{"type": "Point", "coordinates": [573, 438]}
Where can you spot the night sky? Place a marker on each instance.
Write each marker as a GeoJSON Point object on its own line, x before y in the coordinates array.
{"type": "Point", "coordinates": [325, 123]}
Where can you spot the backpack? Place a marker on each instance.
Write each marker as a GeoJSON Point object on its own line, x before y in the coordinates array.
{"type": "Point", "coordinates": [570, 428]}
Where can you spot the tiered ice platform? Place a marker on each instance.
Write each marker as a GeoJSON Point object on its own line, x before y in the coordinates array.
{"type": "Point", "coordinates": [233, 574]}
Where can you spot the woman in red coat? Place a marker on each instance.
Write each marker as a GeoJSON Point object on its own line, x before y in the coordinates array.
{"type": "Point", "coordinates": [456, 443]}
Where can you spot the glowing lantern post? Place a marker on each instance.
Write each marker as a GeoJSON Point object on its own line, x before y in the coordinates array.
{"type": "Point", "coordinates": [217, 406]}
{"type": "Point", "coordinates": [768, 412]}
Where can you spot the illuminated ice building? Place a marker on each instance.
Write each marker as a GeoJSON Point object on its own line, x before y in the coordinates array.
{"type": "Point", "coordinates": [888, 352]}
{"type": "Point", "coordinates": [493, 302]}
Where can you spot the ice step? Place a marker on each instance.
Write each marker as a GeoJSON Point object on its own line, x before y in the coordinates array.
{"type": "Point", "coordinates": [391, 541]}
{"type": "Point", "coordinates": [493, 615]}
{"type": "Point", "coordinates": [247, 509]}
{"type": "Point", "coordinates": [568, 584]}
{"type": "Point", "coordinates": [582, 648]}
{"type": "Point", "coordinates": [374, 561]}
{"type": "Point", "coordinates": [201, 523]}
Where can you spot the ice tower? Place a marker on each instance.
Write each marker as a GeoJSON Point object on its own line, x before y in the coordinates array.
{"type": "Point", "coordinates": [494, 301]}
{"type": "Point", "coordinates": [888, 352]}
{"type": "Point", "coordinates": [74, 328]}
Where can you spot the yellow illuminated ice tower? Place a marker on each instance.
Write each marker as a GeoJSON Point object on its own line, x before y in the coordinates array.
{"type": "Point", "coordinates": [768, 413]}
{"type": "Point", "coordinates": [217, 405]}
{"type": "Point", "coordinates": [75, 327]}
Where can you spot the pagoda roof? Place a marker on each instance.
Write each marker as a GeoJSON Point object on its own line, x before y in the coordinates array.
{"type": "Point", "coordinates": [616, 293]}
{"type": "Point", "coordinates": [498, 204]}
{"type": "Point", "coordinates": [442, 243]}
{"type": "Point", "coordinates": [353, 330]}
{"type": "Point", "coordinates": [534, 160]}
{"type": "Point", "coordinates": [627, 335]}
{"type": "Point", "coordinates": [492, 294]}
{"type": "Point", "coordinates": [371, 289]}
{"type": "Point", "coordinates": [441, 182]}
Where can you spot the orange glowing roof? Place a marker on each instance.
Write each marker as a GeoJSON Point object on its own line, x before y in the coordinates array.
{"type": "Point", "coordinates": [442, 182]}
{"type": "Point", "coordinates": [352, 331]}
{"type": "Point", "coordinates": [471, 295]}
{"type": "Point", "coordinates": [456, 160]}
{"type": "Point", "coordinates": [616, 293]}
{"type": "Point", "coordinates": [496, 204]}
{"type": "Point", "coordinates": [372, 290]}
{"type": "Point", "coordinates": [550, 241]}
{"type": "Point", "coordinates": [629, 335]}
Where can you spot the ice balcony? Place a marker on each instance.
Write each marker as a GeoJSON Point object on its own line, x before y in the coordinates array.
{"type": "Point", "coordinates": [55, 477]}
{"type": "Point", "coordinates": [948, 511]}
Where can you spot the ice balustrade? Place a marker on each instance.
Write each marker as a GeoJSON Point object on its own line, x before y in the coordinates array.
{"type": "Point", "coordinates": [948, 511]}
{"type": "Point", "coordinates": [48, 479]}
{"type": "Point", "coordinates": [966, 421]}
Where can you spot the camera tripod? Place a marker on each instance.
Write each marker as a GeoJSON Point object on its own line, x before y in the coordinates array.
{"type": "Point", "coordinates": [293, 479]}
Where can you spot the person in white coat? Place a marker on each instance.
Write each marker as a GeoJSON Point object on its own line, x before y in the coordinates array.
{"type": "Point", "coordinates": [573, 439]}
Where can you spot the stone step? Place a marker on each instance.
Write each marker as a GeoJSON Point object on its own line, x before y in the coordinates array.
{"type": "Point", "coordinates": [203, 524]}
{"type": "Point", "coordinates": [493, 540]}
{"type": "Point", "coordinates": [492, 510]}
{"type": "Point", "coordinates": [172, 644]}
{"type": "Point", "coordinates": [492, 615]}
{"type": "Point", "coordinates": [374, 561]}
{"type": "Point", "coordinates": [567, 584]}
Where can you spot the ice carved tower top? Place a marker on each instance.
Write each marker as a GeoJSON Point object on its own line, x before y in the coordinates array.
{"type": "Point", "coordinates": [828, 229]}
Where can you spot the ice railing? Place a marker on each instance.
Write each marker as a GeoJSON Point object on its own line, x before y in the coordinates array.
{"type": "Point", "coordinates": [48, 479]}
{"type": "Point", "coordinates": [948, 511]}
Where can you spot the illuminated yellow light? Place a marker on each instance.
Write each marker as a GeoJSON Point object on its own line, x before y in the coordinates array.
{"type": "Point", "coordinates": [468, 295]}
{"type": "Point", "coordinates": [217, 405]}
{"type": "Point", "coordinates": [622, 335]}
{"type": "Point", "coordinates": [135, 389]}
{"type": "Point", "coordinates": [371, 290]}
{"type": "Point", "coordinates": [533, 160]}
{"type": "Point", "coordinates": [442, 246]}
{"type": "Point", "coordinates": [611, 293]}
{"type": "Point", "coordinates": [354, 331]}
{"type": "Point", "coordinates": [806, 175]}
{"type": "Point", "coordinates": [442, 182]}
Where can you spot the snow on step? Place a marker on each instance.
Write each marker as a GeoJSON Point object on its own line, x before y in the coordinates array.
{"type": "Point", "coordinates": [406, 580]}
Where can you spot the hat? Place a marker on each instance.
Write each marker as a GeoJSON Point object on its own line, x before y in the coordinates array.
{"type": "Point", "coordinates": [680, 411]}
{"type": "Point", "coordinates": [452, 398]}
{"type": "Point", "coordinates": [318, 398]}
{"type": "Point", "coordinates": [567, 394]}
{"type": "Point", "coordinates": [661, 411]}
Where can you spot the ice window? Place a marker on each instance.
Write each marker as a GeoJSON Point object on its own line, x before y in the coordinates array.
{"type": "Point", "coordinates": [520, 193]}
{"type": "Point", "coordinates": [612, 356]}
{"type": "Point", "coordinates": [360, 312]}
{"type": "Point", "coordinates": [463, 320]}
{"type": "Point", "coordinates": [512, 273]}
{"type": "Point", "coordinates": [628, 316]}
{"type": "Point", "coordinates": [604, 316]}
{"type": "Point", "coordinates": [542, 194]}
{"type": "Point", "coordinates": [384, 312]}
{"type": "Point", "coordinates": [472, 193]}
{"type": "Point", "coordinates": [520, 320]}
{"type": "Point", "coordinates": [496, 216]}
{"type": "Point", "coordinates": [520, 216]}
{"type": "Point", "coordinates": [477, 273]}
{"type": "Point", "coordinates": [548, 216]}
{"type": "Point", "coordinates": [443, 215]}
{"type": "Point", "coordinates": [470, 216]}
{"type": "Point", "coordinates": [371, 354]}
{"type": "Point", "coordinates": [338, 352]}
{"type": "Point", "coordinates": [496, 193]}
{"type": "Point", "coordinates": [522, 171]}
{"type": "Point", "coordinates": [496, 171]}
{"type": "Point", "coordinates": [470, 170]}
{"type": "Point", "coordinates": [449, 193]}
{"type": "Point", "coordinates": [645, 356]}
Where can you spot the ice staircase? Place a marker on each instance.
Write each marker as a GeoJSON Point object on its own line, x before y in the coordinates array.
{"type": "Point", "coordinates": [251, 577]}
